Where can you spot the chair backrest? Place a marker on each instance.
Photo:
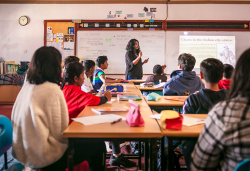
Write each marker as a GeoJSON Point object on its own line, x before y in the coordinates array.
{"type": "Point", "coordinates": [243, 166]}
{"type": "Point", "coordinates": [5, 134]}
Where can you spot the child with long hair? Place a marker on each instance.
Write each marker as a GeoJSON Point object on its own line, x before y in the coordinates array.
{"type": "Point", "coordinates": [224, 140]}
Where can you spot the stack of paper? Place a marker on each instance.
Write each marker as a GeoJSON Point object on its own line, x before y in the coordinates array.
{"type": "Point", "coordinates": [161, 85]}
{"type": "Point", "coordinates": [91, 120]}
{"type": "Point", "coordinates": [101, 110]}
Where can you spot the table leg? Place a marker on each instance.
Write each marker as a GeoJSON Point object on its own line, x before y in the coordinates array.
{"type": "Point", "coordinates": [146, 155]}
{"type": "Point", "coordinates": [170, 154]}
{"type": "Point", "coordinates": [163, 159]}
{"type": "Point", "coordinates": [70, 154]}
{"type": "Point", "coordinates": [153, 154]}
{"type": "Point", "coordinates": [139, 161]}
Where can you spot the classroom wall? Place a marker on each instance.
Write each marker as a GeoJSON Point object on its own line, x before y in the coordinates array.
{"type": "Point", "coordinates": [18, 43]}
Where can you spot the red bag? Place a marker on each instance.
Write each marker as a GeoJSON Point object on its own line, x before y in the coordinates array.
{"type": "Point", "coordinates": [134, 117]}
{"type": "Point", "coordinates": [171, 120]}
{"type": "Point", "coordinates": [84, 166]}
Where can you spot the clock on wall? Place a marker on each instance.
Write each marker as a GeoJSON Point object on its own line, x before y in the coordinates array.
{"type": "Point", "coordinates": [23, 20]}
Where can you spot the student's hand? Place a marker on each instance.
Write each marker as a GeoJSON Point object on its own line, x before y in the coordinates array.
{"type": "Point", "coordinates": [108, 95]}
{"type": "Point", "coordinates": [118, 80]}
{"type": "Point", "coordinates": [145, 61]}
{"type": "Point", "coordinates": [163, 67]}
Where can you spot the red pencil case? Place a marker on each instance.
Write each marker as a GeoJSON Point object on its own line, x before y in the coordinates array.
{"type": "Point", "coordinates": [168, 122]}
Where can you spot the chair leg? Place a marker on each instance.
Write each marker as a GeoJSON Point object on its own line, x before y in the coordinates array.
{"type": "Point", "coordinates": [118, 168]}
{"type": "Point", "coordinates": [139, 161]}
{"type": "Point", "coordinates": [5, 161]}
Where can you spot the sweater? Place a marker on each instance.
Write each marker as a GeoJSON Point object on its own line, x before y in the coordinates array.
{"type": "Point", "coordinates": [182, 83]}
{"type": "Point", "coordinates": [224, 84]}
{"type": "Point", "coordinates": [39, 116]}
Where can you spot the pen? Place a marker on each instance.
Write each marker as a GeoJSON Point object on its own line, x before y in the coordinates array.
{"type": "Point", "coordinates": [116, 121]}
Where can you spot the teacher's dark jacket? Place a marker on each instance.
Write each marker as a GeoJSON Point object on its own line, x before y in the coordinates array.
{"type": "Point", "coordinates": [131, 69]}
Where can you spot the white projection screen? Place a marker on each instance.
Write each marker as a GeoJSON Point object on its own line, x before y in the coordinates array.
{"type": "Point", "coordinates": [202, 47]}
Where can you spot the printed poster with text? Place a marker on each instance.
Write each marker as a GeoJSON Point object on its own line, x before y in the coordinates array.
{"type": "Point", "coordinates": [202, 47]}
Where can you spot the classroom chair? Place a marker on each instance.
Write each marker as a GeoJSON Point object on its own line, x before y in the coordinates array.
{"type": "Point", "coordinates": [6, 140]}
{"type": "Point", "coordinates": [243, 166]}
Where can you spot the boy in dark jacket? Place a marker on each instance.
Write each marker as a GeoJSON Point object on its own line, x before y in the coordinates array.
{"type": "Point", "coordinates": [183, 81]}
{"type": "Point", "coordinates": [211, 70]}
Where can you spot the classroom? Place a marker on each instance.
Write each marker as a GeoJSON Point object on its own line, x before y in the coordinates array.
{"type": "Point", "coordinates": [184, 64]}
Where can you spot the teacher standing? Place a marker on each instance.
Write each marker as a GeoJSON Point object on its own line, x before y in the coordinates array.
{"type": "Point", "coordinates": [133, 60]}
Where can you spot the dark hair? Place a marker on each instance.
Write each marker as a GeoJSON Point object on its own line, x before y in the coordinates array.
{"type": "Point", "coordinates": [187, 61]}
{"type": "Point", "coordinates": [228, 71]}
{"type": "Point", "coordinates": [157, 69]}
{"type": "Point", "coordinates": [131, 46]}
{"type": "Point", "coordinates": [240, 84]}
{"type": "Point", "coordinates": [212, 70]}
{"type": "Point", "coordinates": [101, 60]}
{"type": "Point", "coordinates": [45, 66]}
{"type": "Point", "coordinates": [69, 59]}
{"type": "Point", "coordinates": [71, 70]}
{"type": "Point", "coordinates": [88, 64]}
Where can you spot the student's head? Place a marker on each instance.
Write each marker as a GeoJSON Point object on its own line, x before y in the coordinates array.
{"type": "Point", "coordinates": [157, 69]}
{"type": "Point", "coordinates": [45, 66]}
{"type": "Point", "coordinates": [186, 62]}
{"type": "Point", "coordinates": [102, 62]}
{"type": "Point", "coordinates": [89, 66]}
{"type": "Point", "coordinates": [69, 59]}
{"type": "Point", "coordinates": [228, 71]}
{"type": "Point", "coordinates": [240, 84]}
{"type": "Point", "coordinates": [74, 74]}
{"type": "Point", "coordinates": [211, 70]}
{"type": "Point", "coordinates": [133, 45]}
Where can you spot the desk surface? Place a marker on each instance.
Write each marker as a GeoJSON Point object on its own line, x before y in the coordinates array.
{"type": "Point", "coordinates": [120, 129]}
{"type": "Point", "coordinates": [187, 131]}
{"type": "Point", "coordinates": [148, 88]}
{"type": "Point", "coordinates": [137, 81]}
{"type": "Point", "coordinates": [172, 101]}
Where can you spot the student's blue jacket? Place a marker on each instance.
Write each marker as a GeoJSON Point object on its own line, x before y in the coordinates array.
{"type": "Point", "coordinates": [182, 83]}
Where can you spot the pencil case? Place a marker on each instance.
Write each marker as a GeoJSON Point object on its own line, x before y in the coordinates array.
{"type": "Point", "coordinates": [153, 97]}
{"type": "Point", "coordinates": [114, 88]}
{"type": "Point", "coordinates": [134, 117]}
{"type": "Point", "coordinates": [171, 119]}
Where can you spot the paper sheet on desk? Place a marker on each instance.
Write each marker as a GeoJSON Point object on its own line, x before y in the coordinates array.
{"type": "Point", "coordinates": [92, 120]}
{"type": "Point", "coordinates": [187, 121]}
{"type": "Point", "coordinates": [111, 101]}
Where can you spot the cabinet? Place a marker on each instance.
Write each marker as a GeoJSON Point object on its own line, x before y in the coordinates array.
{"type": "Point", "coordinates": [8, 93]}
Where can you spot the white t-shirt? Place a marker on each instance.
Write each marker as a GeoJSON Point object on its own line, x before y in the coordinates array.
{"type": "Point", "coordinates": [87, 85]}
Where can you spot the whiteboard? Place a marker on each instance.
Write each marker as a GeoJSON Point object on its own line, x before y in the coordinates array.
{"type": "Point", "coordinates": [91, 44]}
{"type": "Point", "coordinates": [242, 43]}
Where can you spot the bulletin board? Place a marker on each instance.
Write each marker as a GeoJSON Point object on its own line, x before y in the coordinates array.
{"type": "Point", "coordinates": [61, 35]}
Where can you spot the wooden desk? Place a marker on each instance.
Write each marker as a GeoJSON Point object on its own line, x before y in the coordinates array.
{"type": "Point", "coordinates": [148, 88]}
{"type": "Point", "coordinates": [137, 82]}
{"type": "Point", "coordinates": [187, 132]}
{"type": "Point", "coordinates": [120, 130]}
{"type": "Point", "coordinates": [169, 101]}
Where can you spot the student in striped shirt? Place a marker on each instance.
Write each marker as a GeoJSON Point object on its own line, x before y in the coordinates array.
{"type": "Point", "coordinates": [225, 140]}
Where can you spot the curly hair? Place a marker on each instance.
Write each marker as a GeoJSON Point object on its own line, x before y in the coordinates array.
{"type": "Point", "coordinates": [187, 61]}
{"type": "Point", "coordinates": [131, 46]}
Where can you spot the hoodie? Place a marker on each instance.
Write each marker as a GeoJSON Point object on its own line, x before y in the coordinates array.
{"type": "Point", "coordinates": [201, 102]}
{"type": "Point", "coordinates": [182, 83]}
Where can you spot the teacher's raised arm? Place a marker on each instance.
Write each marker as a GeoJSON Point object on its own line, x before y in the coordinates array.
{"type": "Point", "coordinates": [133, 60]}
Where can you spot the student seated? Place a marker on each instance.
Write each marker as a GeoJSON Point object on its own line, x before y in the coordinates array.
{"type": "Point", "coordinates": [89, 66]}
{"type": "Point", "coordinates": [69, 59]}
{"type": "Point", "coordinates": [77, 99]}
{"type": "Point", "coordinates": [40, 115]}
{"type": "Point", "coordinates": [228, 72]}
{"type": "Point", "coordinates": [99, 76]}
{"type": "Point", "coordinates": [157, 77]}
{"type": "Point", "coordinates": [224, 140]}
{"type": "Point", "coordinates": [183, 81]}
{"type": "Point", "coordinates": [211, 70]}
